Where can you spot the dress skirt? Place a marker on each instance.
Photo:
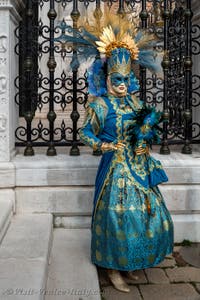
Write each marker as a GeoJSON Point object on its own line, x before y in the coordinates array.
{"type": "Point", "coordinates": [125, 235]}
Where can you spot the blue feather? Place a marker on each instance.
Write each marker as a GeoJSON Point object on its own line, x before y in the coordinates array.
{"type": "Point", "coordinates": [134, 83]}
{"type": "Point", "coordinates": [96, 78]}
{"type": "Point", "coordinates": [147, 59]}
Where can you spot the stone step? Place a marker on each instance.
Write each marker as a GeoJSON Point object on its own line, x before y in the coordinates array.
{"type": "Point", "coordinates": [7, 175]}
{"type": "Point", "coordinates": [186, 227]}
{"type": "Point", "coordinates": [24, 257]}
{"type": "Point", "coordinates": [78, 222]}
{"type": "Point", "coordinates": [62, 170]}
{"type": "Point", "coordinates": [6, 212]}
{"type": "Point", "coordinates": [71, 275]}
{"type": "Point", "coordinates": [78, 200]}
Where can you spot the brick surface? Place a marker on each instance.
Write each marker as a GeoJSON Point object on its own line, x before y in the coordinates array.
{"type": "Point", "coordinates": [177, 248]}
{"type": "Point", "coordinates": [180, 262]}
{"type": "Point", "coordinates": [156, 275]}
{"type": "Point", "coordinates": [169, 292]}
{"type": "Point", "coordinates": [103, 278]}
{"type": "Point", "coordinates": [167, 263]}
{"type": "Point", "coordinates": [191, 254]}
{"type": "Point", "coordinates": [197, 286]}
{"type": "Point", "coordinates": [184, 274]}
{"type": "Point", "coordinates": [110, 293]}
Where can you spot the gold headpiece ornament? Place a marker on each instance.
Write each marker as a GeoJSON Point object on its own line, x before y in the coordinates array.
{"type": "Point", "coordinates": [108, 41]}
{"type": "Point", "coordinates": [116, 66]}
{"type": "Point", "coordinates": [111, 33]}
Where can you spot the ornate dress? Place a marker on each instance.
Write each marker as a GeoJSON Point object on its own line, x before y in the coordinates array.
{"type": "Point", "coordinates": [131, 226]}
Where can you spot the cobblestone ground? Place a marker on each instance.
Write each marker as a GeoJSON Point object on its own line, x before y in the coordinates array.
{"type": "Point", "coordinates": [173, 279]}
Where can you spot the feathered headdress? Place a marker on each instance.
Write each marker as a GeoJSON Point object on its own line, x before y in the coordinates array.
{"type": "Point", "coordinates": [115, 41]}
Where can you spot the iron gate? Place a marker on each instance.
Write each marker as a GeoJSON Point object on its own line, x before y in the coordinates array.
{"type": "Point", "coordinates": [51, 97]}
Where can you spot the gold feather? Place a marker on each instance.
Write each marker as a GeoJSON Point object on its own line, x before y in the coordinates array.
{"type": "Point", "coordinates": [146, 39]}
{"type": "Point", "coordinates": [114, 31]}
{"type": "Point", "coordinates": [101, 44]}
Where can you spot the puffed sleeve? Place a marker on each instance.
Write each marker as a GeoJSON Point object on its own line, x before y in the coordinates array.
{"type": "Point", "coordinates": [93, 124]}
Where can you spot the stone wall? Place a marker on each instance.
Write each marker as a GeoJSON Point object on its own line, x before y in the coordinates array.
{"type": "Point", "coordinates": [9, 19]}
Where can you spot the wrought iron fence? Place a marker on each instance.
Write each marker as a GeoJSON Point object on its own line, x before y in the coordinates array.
{"type": "Point", "coordinates": [51, 97]}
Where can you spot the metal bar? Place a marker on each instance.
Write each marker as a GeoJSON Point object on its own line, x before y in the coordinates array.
{"type": "Point", "coordinates": [121, 8]}
{"type": "Point", "coordinates": [51, 151]}
{"type": "Point", "coordinates": [28, 65]}
{"type": "Point", "coordinates": [98, 15]}
{"type": "Point", "coordinates": [98, 12]}
{"type": "Point", "coordinates": [165, 64]}
{"type": "Point", "coordinates": [143, 73]}
{"type": "Point", "coordinates": [188, 81]}
{"type": "Point", "coordinates": [75, 14]}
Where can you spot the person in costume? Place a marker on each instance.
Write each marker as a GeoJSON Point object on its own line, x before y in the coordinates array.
{"type": "Point", "coordinates": [131, 226]}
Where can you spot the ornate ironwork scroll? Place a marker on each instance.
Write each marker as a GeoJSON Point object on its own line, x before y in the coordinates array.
{"type": "Point", "coordinates": [52, 95]}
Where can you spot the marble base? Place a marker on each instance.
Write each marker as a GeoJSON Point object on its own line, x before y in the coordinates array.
{"type": "Point", "coordinates": [64, 186]}
{"type": "Point", "coordinates": [6, 212]}
{"type": "Point", "coordinates": [24, 257]}
{"type": "Point", "coordinates": [71, 270]}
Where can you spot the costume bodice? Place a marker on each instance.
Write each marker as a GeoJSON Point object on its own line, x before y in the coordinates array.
{"type": "Point", "coordinates": [109, 119]}
{"type": "Point", "coordinates": [120, 115]}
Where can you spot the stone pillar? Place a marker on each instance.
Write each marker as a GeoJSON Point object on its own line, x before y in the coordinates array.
{"type": "Point", "coordinates": [9, 19]}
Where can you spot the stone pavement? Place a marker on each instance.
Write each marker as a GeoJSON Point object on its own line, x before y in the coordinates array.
{"type": "Point", "coordinates": [173, 279]}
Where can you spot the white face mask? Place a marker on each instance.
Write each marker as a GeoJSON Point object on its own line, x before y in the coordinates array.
{"type": "Point", "coordinates": [120, 90]}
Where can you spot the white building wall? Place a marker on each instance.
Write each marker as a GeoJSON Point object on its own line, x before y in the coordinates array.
{"type": "Point", "coordinates": [9, 19]}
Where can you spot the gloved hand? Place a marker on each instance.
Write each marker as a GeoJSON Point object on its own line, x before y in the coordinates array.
{"type": "Point", "coordinates": [112, 147]}
{"type": "Point", "coordinates": [141, 147]}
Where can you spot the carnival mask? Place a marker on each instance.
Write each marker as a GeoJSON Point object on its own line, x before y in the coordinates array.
{"type": "Point", "coordinates": [117, 84]}
{"type": "Point", "coordinates": [118, 79]}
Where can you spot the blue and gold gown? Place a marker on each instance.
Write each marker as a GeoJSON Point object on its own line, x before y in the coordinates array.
{"type": "Point", "coordinates": [125, 234]}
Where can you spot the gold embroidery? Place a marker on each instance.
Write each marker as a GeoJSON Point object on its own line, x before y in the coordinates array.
{"type": "Point", "coordinates": [98, 256]}
{"type": "Point", "coordinates": [132, 208]}
{"type": "Point", "coordinates": [150, 247]}
{"type": "Point", "coordinates": [157, 202]}
{"type": "Point", "coordinates": [133, 235]}
{"type": "Point", "coordinates": [91, 116]}
{"type": "Point", "coordinates": [123, 261]}
{"type": "Point", "coordinates": [99, 217]}
{"type": "Point", "coordinates": [101, 205]}
{"type": "Point", "coordinates": [120, 208]}
{"type": "Point", "coordinates": [122, 249]}
{"type": "Point", "coordinates": [107, 233]}
{"type": "Point", "coordinates": [109, 258]}
{"type": "Point", "coordinates": [143, 207]}
{"type": "Point", "coordinates": [151, 258]}
{"type": "Point", "coordinates": [121, 235]}
{"type": "Point", "coordinates": [166, 225]}
{"type": "Point", "coordinates": [149, 233]}
{"type": "Point", "coordinates": [121, 183]}
{"type": "Point", "coordinates": [120, 222]}
{"type": "Point", "coordinates": [119, 156]}
{"type": "Point", "coordinates": [98, 230]}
